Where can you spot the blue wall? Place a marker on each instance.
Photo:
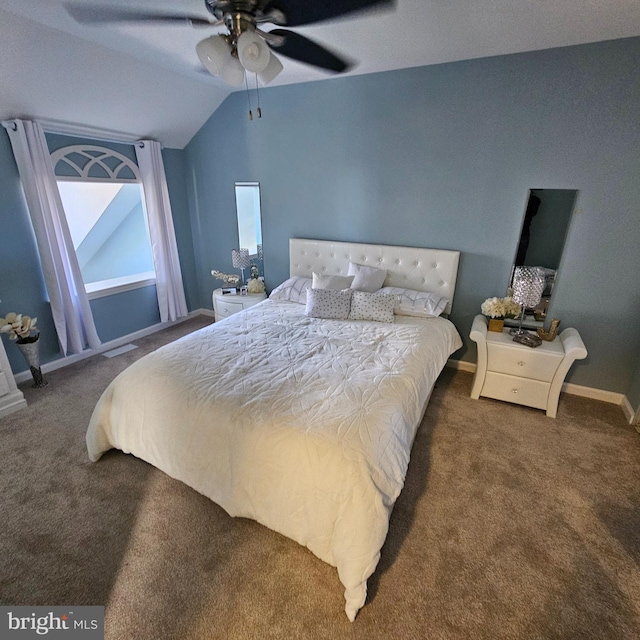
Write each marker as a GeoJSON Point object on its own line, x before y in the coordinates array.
{"type": "Point", "coordinates": [175, 170]}
{"type": "Point", "coordinates": [22, 286]}
{"type": "Point", "coordinates": [443, 156]}
{"type": "Point", "coordinates": [439, 156]}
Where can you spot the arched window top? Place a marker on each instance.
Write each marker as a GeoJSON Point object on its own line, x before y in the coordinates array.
{"type": "Point", "coordinates": [90, 162]}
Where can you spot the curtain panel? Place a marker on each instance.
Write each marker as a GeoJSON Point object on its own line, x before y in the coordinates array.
{"type": "Point", "coordinates": [171, 298]}
{"type": "Point", "coordinates": [69, 302]}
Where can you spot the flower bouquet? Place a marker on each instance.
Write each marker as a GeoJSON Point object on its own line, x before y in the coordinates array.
{"type": "Point", "coordinates": [230, 279]}
{"type": "Point", "coordinates": [19, 327]}
{"type": "Point", "coordinates": [497, 309]}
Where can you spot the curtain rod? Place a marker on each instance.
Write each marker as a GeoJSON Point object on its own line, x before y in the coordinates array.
{"type": "Point", "coordinates": [81, 131]}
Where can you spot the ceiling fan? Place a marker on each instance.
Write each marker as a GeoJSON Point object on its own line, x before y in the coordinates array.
{"type": "Point", "coordinates": [245, 45]}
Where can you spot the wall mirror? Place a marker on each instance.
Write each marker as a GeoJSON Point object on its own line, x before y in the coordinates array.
{"type": "Point", "coordinates": [544, 230]}
{"type": "Point", "coordinates": [249, 221]}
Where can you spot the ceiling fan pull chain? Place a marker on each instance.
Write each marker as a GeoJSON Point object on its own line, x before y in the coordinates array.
{"type": "Point", "coordinates": [258, 97]}
{"type": "Point", "coordinates": [246, 83]}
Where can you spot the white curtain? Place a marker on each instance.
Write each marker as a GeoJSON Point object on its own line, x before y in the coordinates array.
{"type": "Point", "coordinates": [171, 300]}
{"type": "Point", "coordinates": [69, 303]}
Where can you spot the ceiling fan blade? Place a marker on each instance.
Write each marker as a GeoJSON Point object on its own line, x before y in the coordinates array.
{"type": "Point", "coordinates": [300, 48]}
{"type": "Point", "coordinates": [301, 13]}
{"type": "Point", "coordinates": [90, 14]}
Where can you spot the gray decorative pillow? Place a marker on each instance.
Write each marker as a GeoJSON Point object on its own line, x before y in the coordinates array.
{"type": "Point", "coordinates": [331, 282]}
{"type": "Point", "coordinates": [328, 303]}
{"type": "Point", "coordinates": [372, 306]}
{"type": "Point", "coordinates": [417, 303]}
{"type": "Point", "coordinates": [292, 290]}
{"type": "Point", "coordinates": [366, 278]}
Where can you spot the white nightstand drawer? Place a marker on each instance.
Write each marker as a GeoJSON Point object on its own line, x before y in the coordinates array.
{"type": "Point", "coordinates": [225, 305]}
{"type": "Point", "coordinates": [523, 362]}
{"type": "Point", "coordinates": [531, 393]}
{"type": "Point", "coordinates": [226, 308]}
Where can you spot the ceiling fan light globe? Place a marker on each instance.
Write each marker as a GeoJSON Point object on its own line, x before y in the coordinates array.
{"type": "Point", "coordinates": [272, 69]}
{"type": "Point", "coordinates": [214, 53]}
{"type": "Point", "coordinates": [232, 72]}
{"type": "Point", "coordinates": [253, 52]}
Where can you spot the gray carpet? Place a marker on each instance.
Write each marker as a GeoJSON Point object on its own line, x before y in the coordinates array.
{"type": "Point", "coordinates": [511, 525]}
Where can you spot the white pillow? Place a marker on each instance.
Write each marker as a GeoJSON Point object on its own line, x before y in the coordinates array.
{"type": "Point", "coordinates": [417, 303]}
{"type": "Point", "coordinates": [331, 282]}
{"type": "Point", "coordinates": [331, 304]}
{"type": "Point", "coordinates": [366, 278]}
{"type": "Point", "coordinates": [292, 290]}
{"type": "Point", "coordinates": [372, 306]}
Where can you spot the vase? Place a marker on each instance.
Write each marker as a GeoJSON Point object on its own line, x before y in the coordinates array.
{"type": "Point", "coordinates": [30, 348]}
{"type": "Point", "coordinates": [496, 324]}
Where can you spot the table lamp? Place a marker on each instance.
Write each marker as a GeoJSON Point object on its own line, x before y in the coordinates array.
{"type": "Point", "coordinates": [528, 285]}
{"type": "Point", "coordinates": [240, 260]}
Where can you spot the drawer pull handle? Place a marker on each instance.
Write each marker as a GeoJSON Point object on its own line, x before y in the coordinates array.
{"type": "Point", "coordinates": [521, 363]}
{"type": "Point", "coordinates": [514, 391]}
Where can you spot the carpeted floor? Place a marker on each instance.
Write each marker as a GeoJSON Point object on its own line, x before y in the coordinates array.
{"type": "Point", "coordinates": [511, 525]}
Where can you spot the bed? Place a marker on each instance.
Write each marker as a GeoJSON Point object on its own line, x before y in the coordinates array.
{"type": "Point", "coordinates": [301, 423]}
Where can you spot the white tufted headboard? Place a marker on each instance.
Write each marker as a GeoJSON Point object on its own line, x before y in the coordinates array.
{"type": "Point", "coordinates": [432, 270]}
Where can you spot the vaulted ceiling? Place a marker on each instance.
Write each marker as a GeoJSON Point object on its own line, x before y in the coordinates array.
{"type": "Point", "coordinates": [146, 80]}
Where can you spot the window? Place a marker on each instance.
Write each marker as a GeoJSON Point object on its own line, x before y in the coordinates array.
{"type": "Point", "coordinates": [104, 206]}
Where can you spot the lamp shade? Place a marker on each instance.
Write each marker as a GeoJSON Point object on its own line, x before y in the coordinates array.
{"type": "Point", "coordinates": [253, 52]}
{"type": "Point", "coordinates": [240, 259]}
{"type": "Point", "coordinates": [273, 68]}
{"type": "Point", "coordinates": [213, 53]}
{"type": "Point", "coordinates": [528, 285]}
{"type": "Point", "coordinates": [233, 72]}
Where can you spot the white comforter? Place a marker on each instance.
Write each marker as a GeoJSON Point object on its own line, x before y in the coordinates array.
{"type": "Point", "coordinates": [304, 425]}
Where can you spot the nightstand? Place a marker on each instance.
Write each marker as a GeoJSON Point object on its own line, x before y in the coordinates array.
{"type": "Point", "coordinates": [513, 372]}
{"type": "Point", "coordinates": [225, 304]}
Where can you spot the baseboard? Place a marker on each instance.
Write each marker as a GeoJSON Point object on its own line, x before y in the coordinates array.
{"type": "Point", "coordinates": [462, 365]}
{"type": "Point", "coordinates": [594, 394]}
{"type": "Point", "coordinates": [629, 413]}
{"type": "Point", "coordinates": [23, 376]}
{"type": "Point", "coordinates": [572, 389]}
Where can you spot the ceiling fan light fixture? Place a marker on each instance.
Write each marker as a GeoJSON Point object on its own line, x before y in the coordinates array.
{"type": "Point", "coordinates": [273, 68]}
{"type": "Point", "coordinates": [214, 52]}
{"type": "Point", "coordinates": [232, 72]}
{"type": "Point", "coordinates": [253, 51]}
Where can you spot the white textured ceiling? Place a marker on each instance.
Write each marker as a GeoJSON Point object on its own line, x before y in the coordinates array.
{"type": "Point", "coordinates": [146, 80]}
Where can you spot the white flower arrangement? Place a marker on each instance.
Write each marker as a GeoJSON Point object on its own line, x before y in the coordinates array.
{"type": "Point", "coordinates": [255, 286]}
{"type": "Point", "coordinates": [501, 308]}
{"type": "Point", "coordinates": [18, 327]}
{"type": "Point", "coordinates": [231, 280]}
